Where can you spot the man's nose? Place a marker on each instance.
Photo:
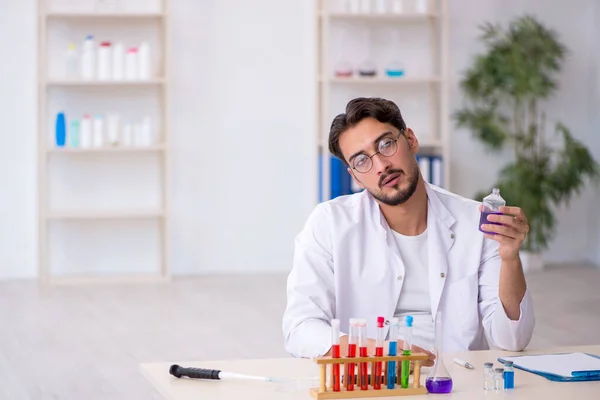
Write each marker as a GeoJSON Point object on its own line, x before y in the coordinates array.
{"type": "Point", "coordinates": [381, 163]}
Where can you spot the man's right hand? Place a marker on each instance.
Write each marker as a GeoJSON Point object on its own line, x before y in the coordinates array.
{"type": "Point", "coordinates": [371, 350]}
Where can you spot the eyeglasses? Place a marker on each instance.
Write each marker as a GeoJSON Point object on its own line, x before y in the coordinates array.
{"type": "Point", "coordinates": [386, 147]}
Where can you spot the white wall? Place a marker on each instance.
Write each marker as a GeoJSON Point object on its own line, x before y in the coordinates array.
{"type": "Point", "coordinates": [243, 126]}
{"type": "Point", "coordinates": [244, 119]}
{"type": "Point", "coordinates": [577, 234]}
{"type": "Point", "coordinates": [18, 226]}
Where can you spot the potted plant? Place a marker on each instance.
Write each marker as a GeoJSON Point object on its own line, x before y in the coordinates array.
{"type": "Point", "coordinates": [504, 93]}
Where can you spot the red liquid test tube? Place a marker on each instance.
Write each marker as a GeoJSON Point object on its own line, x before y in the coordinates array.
{"type": "Point", "coordinates": [335, 352]}
{"type": "Point", "coordinates": [378, 352]}
{"type": "Point", "coordinates": [352, 339]}
{"type": "Point", "coordinates": [364, 366]}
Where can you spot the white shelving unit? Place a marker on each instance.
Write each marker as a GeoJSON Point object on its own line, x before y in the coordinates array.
{"type": "Point", "coordinates": [419, 36]}
{"type": "Point", "coordinates": [60, 23]}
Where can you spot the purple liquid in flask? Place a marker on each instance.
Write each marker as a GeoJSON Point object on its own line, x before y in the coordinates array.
{"type": "Point", "coordinates": [439, 385]}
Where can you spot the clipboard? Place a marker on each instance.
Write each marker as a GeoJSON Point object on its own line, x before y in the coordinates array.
{"type": "Point", "coordinates": [577, 375]}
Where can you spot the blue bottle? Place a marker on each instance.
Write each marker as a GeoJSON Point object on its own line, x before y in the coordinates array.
{"type": "Point", "coordinates": [61, 130]}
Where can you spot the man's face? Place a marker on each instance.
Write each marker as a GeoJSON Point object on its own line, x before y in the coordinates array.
{"type": "Point", "coordinates": [392, 178]}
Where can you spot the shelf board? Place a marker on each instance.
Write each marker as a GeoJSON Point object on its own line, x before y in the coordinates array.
{"type": "Point", "coordinates": [404, 17]}
{"type": "Point", "coordinates": [104, 15]}
{"type": "Point", "coordinates": [107, 150]}
{"type": "Point", "coordinates": [83, 83]}
{"type": "Point", "coordinates": [108, 279]}
{"type": "Point", "coordinates": [404, 80]}
{"type": "Point", "coordinates": [100, 215]}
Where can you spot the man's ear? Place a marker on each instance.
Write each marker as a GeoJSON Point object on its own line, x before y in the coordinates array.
{"type": "Point", "coordinates": [412, 140]}
{"type": "Point", "coordinates": [354, 177]}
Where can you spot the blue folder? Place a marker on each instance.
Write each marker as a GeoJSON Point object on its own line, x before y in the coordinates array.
{"type": "Point", "coordinates": [578, 376]}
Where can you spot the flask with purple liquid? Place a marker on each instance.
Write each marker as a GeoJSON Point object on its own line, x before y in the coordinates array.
{"type": "Point", "coordinates": [491, 205]}
{"type": "Point", "coordinates": [438, 380]}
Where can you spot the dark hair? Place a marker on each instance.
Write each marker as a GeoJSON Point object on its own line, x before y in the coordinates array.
{"type": "Point", "coordinates": [382, 110]}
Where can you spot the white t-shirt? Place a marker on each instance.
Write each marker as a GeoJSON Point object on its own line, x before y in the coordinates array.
{"type": "Point", "coordinates": [414, 298]}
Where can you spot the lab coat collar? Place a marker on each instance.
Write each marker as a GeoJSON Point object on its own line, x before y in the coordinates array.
{"type": "Point", "coordinates": [436, 212]}
{"type": "Point", "coordinates": [440, 238]}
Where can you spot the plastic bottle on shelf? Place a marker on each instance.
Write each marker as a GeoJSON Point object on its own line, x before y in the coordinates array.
{"type": "Point", "coordinates": [127, 135]}
{"type": "Point", "coordinates": [422, 6]}
{"type": "Point", "coordinates": [112, 129]}
{"type": "Point", "coordinates": [131, 61]}
{"type": "Point", "coordinates": [98, 131]}
{"type": "Point", "coordinates": [71, 62]}
{"type": "Point", "coordinates": [60, 130]}
{"type": "Point", "coordinates": [74, 135]}
{"type": "Point", "coordinates": [86, 132]}
{"type": "Point", "coordinates": [117, 61]}
{"type": "Point", "coordinates": [365, 6]}
{"type": "Point", "coordinates": [144, 61]}
{"type": "Point", "coordinates": [104, 61]}
{"type": "Point", "coordinates": [352, 6]}
{"type": "Point", "coordinates": [88, 58]}
{"type": "Point", "coordinates": [398, 6]}
{"type": "Point", "coordinates": [382, 6]}
{"type": "Point", "coordinates": [147, 135]}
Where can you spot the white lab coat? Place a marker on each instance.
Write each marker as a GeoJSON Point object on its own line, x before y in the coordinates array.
{"type": "Point", "coordinates": [347, 265]}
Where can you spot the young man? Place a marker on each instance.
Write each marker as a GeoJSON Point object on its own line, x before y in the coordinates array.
{"type": "Point", "coordinates": [403, 247]}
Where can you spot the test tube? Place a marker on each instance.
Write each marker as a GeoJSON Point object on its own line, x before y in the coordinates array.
{"type": "Point", "coordinates": [378, 352]}
{"type": "Point", "coordinates": [362, 342]}
{"type": "Point", "coordinates": [352, 339]}
{"type": "Point", "coordinates": [335, 352]}
{"type": "Point", "coordinates": [406, 351]}
{"type": "Point", "coordinates": [392, 351]}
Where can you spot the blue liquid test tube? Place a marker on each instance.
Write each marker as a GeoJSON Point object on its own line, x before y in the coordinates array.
{"type": "Point", "coordinates": [393, 351]}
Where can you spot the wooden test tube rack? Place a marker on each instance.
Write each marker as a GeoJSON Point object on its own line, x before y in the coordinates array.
{"type": "Point", "coordinates": [325, 389]}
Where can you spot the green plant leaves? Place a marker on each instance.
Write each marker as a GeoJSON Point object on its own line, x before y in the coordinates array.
{"type": "Point", "coordinates": [502, 90]}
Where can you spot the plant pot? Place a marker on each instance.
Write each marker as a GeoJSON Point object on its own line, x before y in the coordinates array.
{"type": "Point", "coordinates": [531, 261]}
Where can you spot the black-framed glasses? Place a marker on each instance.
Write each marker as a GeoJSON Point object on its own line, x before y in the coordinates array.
{"type": "Point", "coordinates": [387, 147]}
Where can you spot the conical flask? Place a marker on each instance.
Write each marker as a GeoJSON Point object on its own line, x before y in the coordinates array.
{"type": "Point", "coordinates": [438, 380]}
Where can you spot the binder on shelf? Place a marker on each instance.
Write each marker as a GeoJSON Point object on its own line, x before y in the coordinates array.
{"type": "Point", "coordinates": [431, 169]}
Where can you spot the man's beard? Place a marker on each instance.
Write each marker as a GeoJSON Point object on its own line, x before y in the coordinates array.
{"type": "Point", "coordinates": [400, 196]}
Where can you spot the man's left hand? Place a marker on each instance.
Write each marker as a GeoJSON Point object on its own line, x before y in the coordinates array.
{"type": "Point", "coordinates": [510, 234]}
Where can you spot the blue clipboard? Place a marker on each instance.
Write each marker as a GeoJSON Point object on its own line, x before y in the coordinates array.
{"type": "Point", "coordinates": [581, 376]}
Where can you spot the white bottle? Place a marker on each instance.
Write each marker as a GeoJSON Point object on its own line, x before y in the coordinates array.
{"type": "Point", "coordinates": [382, 6]}
{"type": "Point", "coordinates": [147, 134]}
{"type": "Point", "coordinates": [352, 6]}
{"type": "Point", "coordinates": [138, 140]}
{"type": "Point", "coordinates": [88, 58]}
{"type": "Point", "coordinates": [98, 131]}
{"type": "Point", "coordinates": [131, 61]}
{"type": "Point", "coordinates": [422, 6]}
{"type": "Point", "coordinates": [112, 129]}
{"type": "Point", "coordinates": [144, 61]}
{"type": "Point", "coordinates": [118, 62]}
{"type": "Point", "coordinates": [71, 62]}
{"type": "Point", "coordinates": [104, 61]}
{"type": "Point", "coordinates": [398, 6]}
{"type": "Point", "coordinates": [365, 6]}
{"type": "Point", "coordinates": [85, 132]}
{"type": "Point", "coordinates": [127, 135]}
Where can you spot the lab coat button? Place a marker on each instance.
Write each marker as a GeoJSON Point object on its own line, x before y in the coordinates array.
{"type": "Point", "coordinates": [399, 277]}
{"type": "Point", "coordinates": [452, 236]}
{"type": "Point", "coordinates": [442, 275]}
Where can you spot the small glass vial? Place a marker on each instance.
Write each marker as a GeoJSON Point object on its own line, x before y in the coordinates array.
{"type": "Point", "coordinates": [488, 376]}
{"type": "Point", "coordinates": [509, 375]}
{"type": "Point", "coordinates": [498, 379]}
{"type": "Point", "coordinates": [491, 205]}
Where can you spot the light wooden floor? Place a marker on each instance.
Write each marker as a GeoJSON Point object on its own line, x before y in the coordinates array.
{"type": "Point", "coordinates": [85, 342]}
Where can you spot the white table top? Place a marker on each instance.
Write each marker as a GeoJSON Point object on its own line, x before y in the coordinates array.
{"type": "Point", "coordinates": [467, 383]}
